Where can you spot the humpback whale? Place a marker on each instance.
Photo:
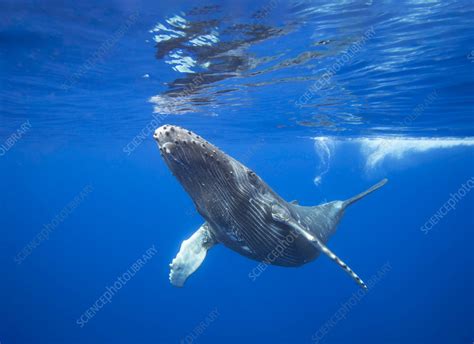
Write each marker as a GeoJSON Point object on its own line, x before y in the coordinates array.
{"type": "Point", "coordinates": [242, 212]}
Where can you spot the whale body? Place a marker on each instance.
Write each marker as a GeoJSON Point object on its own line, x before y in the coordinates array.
{"type": "Point", "coordinates": [242, 212]}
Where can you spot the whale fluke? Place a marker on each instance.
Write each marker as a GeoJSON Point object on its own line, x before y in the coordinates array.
{"type": "Point", "coordinates": [365, 193]}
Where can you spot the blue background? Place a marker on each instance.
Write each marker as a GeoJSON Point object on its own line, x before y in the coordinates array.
{"type": "Point", "coordinates": [77, 138]}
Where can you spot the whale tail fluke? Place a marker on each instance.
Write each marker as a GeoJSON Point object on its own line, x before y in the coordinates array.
{"type": "Point", "coordinates": [365, 193]}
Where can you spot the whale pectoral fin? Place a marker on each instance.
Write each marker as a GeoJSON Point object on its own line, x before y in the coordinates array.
{"type": "Point", "coordinates": [323, 248]}
{"type": "Point", "coordinates": [191, 255]}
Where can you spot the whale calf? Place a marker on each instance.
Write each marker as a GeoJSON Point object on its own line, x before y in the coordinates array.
{"type": "Point", "coordinates": [242, 212]}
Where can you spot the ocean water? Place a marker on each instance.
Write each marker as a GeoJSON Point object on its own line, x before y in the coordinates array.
{"type": "Point", "coordinates": [321, 99]}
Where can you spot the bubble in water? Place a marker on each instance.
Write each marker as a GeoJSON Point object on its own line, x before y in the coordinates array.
{"type": "Point", "coordinates": [323, 147]}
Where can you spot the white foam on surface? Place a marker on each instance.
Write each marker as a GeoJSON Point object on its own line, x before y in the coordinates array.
{"type": "Point", "coordinates": [376, 150]}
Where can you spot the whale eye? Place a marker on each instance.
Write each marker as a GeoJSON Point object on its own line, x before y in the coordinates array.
{"type": "Point", "coordinates": [280, 213]}
{"type": "Point", "coordinates": [253, 179]}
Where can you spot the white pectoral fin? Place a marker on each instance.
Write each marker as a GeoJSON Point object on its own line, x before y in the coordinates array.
{"type": "Point", "coordinates": [323, 248]}
{"type": "Point", "coordinates": [191, 255]}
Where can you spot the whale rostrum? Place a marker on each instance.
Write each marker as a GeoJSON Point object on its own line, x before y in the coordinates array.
{"type": "Point", "coordinates": [242, 212]}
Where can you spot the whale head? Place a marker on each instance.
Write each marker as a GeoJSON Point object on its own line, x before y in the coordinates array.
{"type": "Point", "coordinates": [210, 176]}
{"type": "Point", "coordinates": [190, 158]}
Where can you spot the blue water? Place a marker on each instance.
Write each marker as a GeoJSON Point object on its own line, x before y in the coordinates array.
{"type": "Point", "coordinates": [321, 100]}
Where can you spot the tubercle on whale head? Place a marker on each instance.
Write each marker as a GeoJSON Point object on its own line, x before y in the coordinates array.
{"type": "Point", "coordinates": [189, 156]}
{"type": "Point", "coordinates": [172, 136]}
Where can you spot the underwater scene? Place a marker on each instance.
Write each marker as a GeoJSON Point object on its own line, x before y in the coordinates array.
{"type": "Point", "coordinates": [236, 171]}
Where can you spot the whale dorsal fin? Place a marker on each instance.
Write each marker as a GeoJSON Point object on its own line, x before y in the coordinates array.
{"type": "Point", "coordinates": [191, 255]}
